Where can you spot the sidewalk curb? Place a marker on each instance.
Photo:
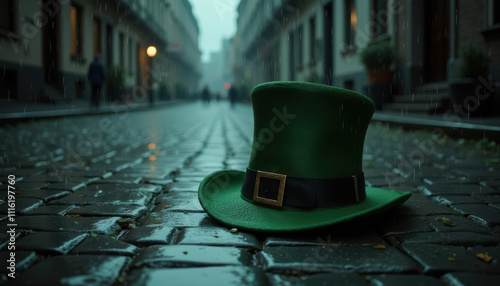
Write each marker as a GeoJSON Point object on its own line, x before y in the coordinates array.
{"type": "Point", "coordinates": [450, 128]}
{"type": "Point", "coordinates": [46, 114]}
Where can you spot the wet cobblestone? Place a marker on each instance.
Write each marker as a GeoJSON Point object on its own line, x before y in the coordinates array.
{"type": "Point", "coordinates": [191, 256]}
{"type": "Point", "coordinates": [177, 219]}
{"type": "Point", "coordinates": [145, 236]}
{"type": "Point", "coordinates": [224, 275]}
{"type": "Point", "coordinates": [66, 223]}
{"type": "Point", "coordinates": [100, 244]}
{"type": "Point", "coordinates": [73, 270]}
{"type": "Point", "coordinates": [216, 236]}
{"type": "Point", "coordinates": [439, 259]}
{"type": "Point", "coordinates": [51, 210]}
{"type": "Point", "coordinates": [23, 205]}
{"type": "Point", "coordinates": [127, 206]}
{"type": "Point", "coordinates": [349, 278]}
{"type": "Point", "coordinates": [51, 242]}
{"type": "Point", "coordinates": [24, 259]}
{"type": "Point", "coordinates": [470, 279]}
{"type": "Point", "coordinates": [394, 280]}
{"type": "Point", "coordinates": [307, 259]}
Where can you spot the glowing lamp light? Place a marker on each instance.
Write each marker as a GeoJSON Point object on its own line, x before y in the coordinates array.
{"type": "Point", "coordinates": [354, 18]}
{"type": "Point", "coordinates": [151, 51]}
{"type": "Point", "coordinates": [227, 85]}
{"type": "Point", "coordinates": [151, 146]}
{"type": "Point", "coordinates": [152, 158]}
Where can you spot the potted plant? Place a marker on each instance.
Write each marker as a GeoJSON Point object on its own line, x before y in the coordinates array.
{"type": "Point", "coordinates": [115, 78]}
{"type": "Point", "coordinates": [378, 59]}
{"type": "Point", "coordinates": [467, 98]}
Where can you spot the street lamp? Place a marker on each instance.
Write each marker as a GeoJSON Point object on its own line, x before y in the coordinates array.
{"type": "Point", "coordinates": [151, 51]}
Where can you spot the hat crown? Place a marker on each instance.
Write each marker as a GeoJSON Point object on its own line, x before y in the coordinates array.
{"type": "Point", "coordinates": [308, 130]}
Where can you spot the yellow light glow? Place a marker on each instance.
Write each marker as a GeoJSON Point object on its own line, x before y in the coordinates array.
{"type": "Point", "coordinates": [152, 168]}
{"type": "Point", "coordinates": [151, 146]}
{"type": "Point", "coordinates": [157, 153]}
{"type": "Point", "coordinates": [151, 51]}
{"type": "Point", "coordinates": [354, 18]}
{"type": "Point", "coordinates": [152, 158]}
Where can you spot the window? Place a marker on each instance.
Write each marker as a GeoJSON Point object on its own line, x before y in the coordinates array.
{"type": "Point", "coordinates": [121, 41]}
{"type": "Point", "coordinates": [300, 50]}
{"type": "Point", "coordinates": [496, 12]}
{"type": "Point", "coordinates": [76, 30]}
{"type": "Point", "coordinates": [291, 56]}
{"type": "Point", "coordinates": [7, 16]}
{"type": "Point", "coordinates": [312, 40]}
{"type": "Point", "coordinates": [130, 55]}
{"type": "Point", "coordinates": [97, 36]}
{"type": "Point", "coordinates": [109, 45]}
{"type": "Point", "coordinates": [350, 22]}
{"type": "Point", "coordinates": [378, 17]}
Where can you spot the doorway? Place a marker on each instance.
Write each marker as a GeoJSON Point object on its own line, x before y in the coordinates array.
{"type": "Point", "coordinates": [328, 73]}
{"type": "Point", "coordinates": [291, 56]}
{"type": "Point", "coordinates": [437, 40]}
{"type": "Point", "coordinates": [142, 66]}
{"type": "Point", "coordinates": [109, 45]}
{"type": "Point", "coordinates": [50, 44]}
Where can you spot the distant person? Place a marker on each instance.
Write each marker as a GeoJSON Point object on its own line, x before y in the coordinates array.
{"type": "Point", "coordinates": [205, 95]}
{"type": "Point", "coordinates": [96, 77]}
{"type": "Point", "coordinates": [233, 95]}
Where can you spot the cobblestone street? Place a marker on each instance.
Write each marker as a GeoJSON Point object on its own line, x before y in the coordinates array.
{"type": "Point", "coordinates": [112, 200]}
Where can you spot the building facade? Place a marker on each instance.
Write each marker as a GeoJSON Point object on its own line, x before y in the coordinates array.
{"type": "Point", "coordinates": [320, 40]}
{"type": "Point", "coordinates": [47, 46]}
{"type": "Point", "coordinates": [216, 72]}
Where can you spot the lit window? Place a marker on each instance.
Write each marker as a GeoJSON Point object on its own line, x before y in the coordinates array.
{"type": "Point", "coordinates": [97, 36]}
{"type": "Point", "coordinates": [76, 30]}
{"type": "Point", "coordinates": [351, 20]}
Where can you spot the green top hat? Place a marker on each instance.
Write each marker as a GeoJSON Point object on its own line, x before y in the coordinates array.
{"type": "Point", "coordinates": [305, 170]}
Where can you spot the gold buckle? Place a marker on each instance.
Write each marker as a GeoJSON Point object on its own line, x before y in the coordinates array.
{"type": "Point", "coordinates": [281, 189]}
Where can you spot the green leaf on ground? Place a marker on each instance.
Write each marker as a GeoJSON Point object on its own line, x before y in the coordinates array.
{"type": "Point", "coordinates": [446, 221]}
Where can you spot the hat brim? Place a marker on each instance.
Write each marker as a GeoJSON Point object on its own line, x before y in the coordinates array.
{"type": "Point", "coordinates": [220, 195]}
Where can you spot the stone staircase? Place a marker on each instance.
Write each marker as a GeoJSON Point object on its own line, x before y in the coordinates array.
{"type": "Point", "coordinates": [431, 98]}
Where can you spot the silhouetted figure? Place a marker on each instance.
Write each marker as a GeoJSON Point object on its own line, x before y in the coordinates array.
{"type": "Point", "coordinates": [96, 77]}
{"type": "Point", "coordinates": [233, 95]}
{"type": "Point", "coordinates": [205, 95]}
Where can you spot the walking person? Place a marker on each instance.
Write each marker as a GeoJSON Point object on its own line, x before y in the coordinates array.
{"type": "Point", "coordinates": [96, 77]}
{"type": "Point", "coordinates": [233, 95]}
{"type": "Point", "coordinates": [205, 95]}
